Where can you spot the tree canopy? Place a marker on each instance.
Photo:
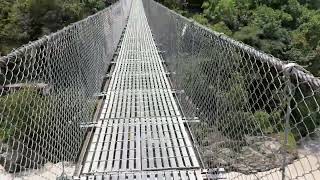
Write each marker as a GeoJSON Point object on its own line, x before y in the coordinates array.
{"type": "Point", "coordinates": [22, 21]}
{"type": "Point", "coordinates": [287, 29]}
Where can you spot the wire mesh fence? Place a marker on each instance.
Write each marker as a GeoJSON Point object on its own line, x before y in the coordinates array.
{"type": "Point", "coordinates": [47, 91]}
{"type": "Point", "coordinates": [249, 113]}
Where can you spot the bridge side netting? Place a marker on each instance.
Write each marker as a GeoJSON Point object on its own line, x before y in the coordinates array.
{"type": "Point", "coordinates": [248, 112]}
{"type": "Point", "coordinates": [47, 92]}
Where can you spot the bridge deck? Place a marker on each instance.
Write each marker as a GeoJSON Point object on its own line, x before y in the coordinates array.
{"type": "Point", "coordinates": [140, 133]}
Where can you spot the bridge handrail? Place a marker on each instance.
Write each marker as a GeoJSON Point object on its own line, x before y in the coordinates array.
{"type": "Point", "coordinates": [48, 88]}
{"type": "Point", "coordinates": [242, 98]}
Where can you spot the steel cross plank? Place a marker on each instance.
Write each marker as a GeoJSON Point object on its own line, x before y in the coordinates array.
{"type": "Point", "coordinates": [140, 133]}
{"type": "Point", "coordinates": [151, 175]}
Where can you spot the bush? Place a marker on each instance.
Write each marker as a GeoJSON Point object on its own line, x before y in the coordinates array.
{"type": "Point", "coordinates": [222, 27]}
{"type": "Point", "coordinates": [200, 18]}
{"type": "Point", "coordinates": [35, 129]}
{"type": "Point", "coordinates": [305, 114]}
{"type": "Point", "coordinates": [291, 145]}
{"type": "Point", "coordinates": [22, 21]}
{"type": "Point", "coordinates": [24, 129]}
{"type": "Point", "coordinates": [262, 118]}
{"type": "Point", "coordinates": [19, 111]}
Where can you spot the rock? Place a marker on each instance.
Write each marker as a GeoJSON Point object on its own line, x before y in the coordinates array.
{"type": "Point", "coordinates": [218, 157]}
{"type": "Point", "coordinates": [4, 175]}
{"type": "Point", "coordinates": [47, 171]}
{"type": "Point", "coordinates": [268, 148]}
{"type": "Point", "coordinates": [272, 145]}
{"type": "Point", "coordinates": [240, 167]}
{"type": "Point", "coordinates": [221, 162]}
{"type": "Point", "coordinates": [226, 151]}
{"type": "Point", "coordinates": [255, 139]}
{"type": "Point", "coordinates": [316, 133]}
{"type": "Point", "coordinates": [258, 155]}
{"type": "Point", "coordinates": [207, 154]}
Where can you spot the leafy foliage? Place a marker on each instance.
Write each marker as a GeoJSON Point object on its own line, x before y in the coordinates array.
{"type": "Point", "coordinates": [291, 144]}
{"type": "Point", "coordinates": [22, 21]}
{"type": "Point", "coordinates": [288, 29]}
{"type": "Point", "coordinates": [20, 111]}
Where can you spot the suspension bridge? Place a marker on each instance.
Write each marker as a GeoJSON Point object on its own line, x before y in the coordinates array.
{"type": "Point", "coordinates": [138, 91]}
{"type": "Point", "coordinates": [140, 127]}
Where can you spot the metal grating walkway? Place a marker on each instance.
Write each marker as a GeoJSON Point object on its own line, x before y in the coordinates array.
{"type": "Point", "coordinates": [140, 133]}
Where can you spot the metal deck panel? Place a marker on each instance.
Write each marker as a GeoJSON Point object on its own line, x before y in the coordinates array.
{"type": "Point", "coordinates": [143, 103]}
{"type": "Point", "coordinates": [140, 133]}
{"type": "Point", "coordinates": [157, 175]}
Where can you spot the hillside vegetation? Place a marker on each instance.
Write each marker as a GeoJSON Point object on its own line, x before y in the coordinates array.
{"type": "Point", "coordinates": [241, 101]}
{"type": "Point", "coordinates": [287, 29]}
{"type": "Point", "coordinates": [22, 21]}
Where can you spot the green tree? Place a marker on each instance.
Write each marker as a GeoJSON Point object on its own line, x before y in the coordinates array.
{"type": "Point", "coordinates": [306, 44]}
{"type": "Point", "coordinates": [270, 21]}
{"type": "Point", "coordinates": [249, 35]}
{"type": "Point", "coordinates": [226, 11]}
{"type": "Point", "coordinates": [221, 10]}
{"type": "Point", "coordinates": [295, 10]}
{"type": "Point", "coordinates": [27, 20]}
{"type": "Point", "coordinates": [275, 4]}
{"type": "Point", "coordinates": [222, 27]}
{"type": "Point", "coordinates": [245, 10]}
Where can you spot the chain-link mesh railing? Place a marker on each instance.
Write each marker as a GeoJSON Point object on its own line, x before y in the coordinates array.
{"type": "Point", "coordinates": [47, 92]}
{"type": "Point", "coordinates": [250, 114]}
